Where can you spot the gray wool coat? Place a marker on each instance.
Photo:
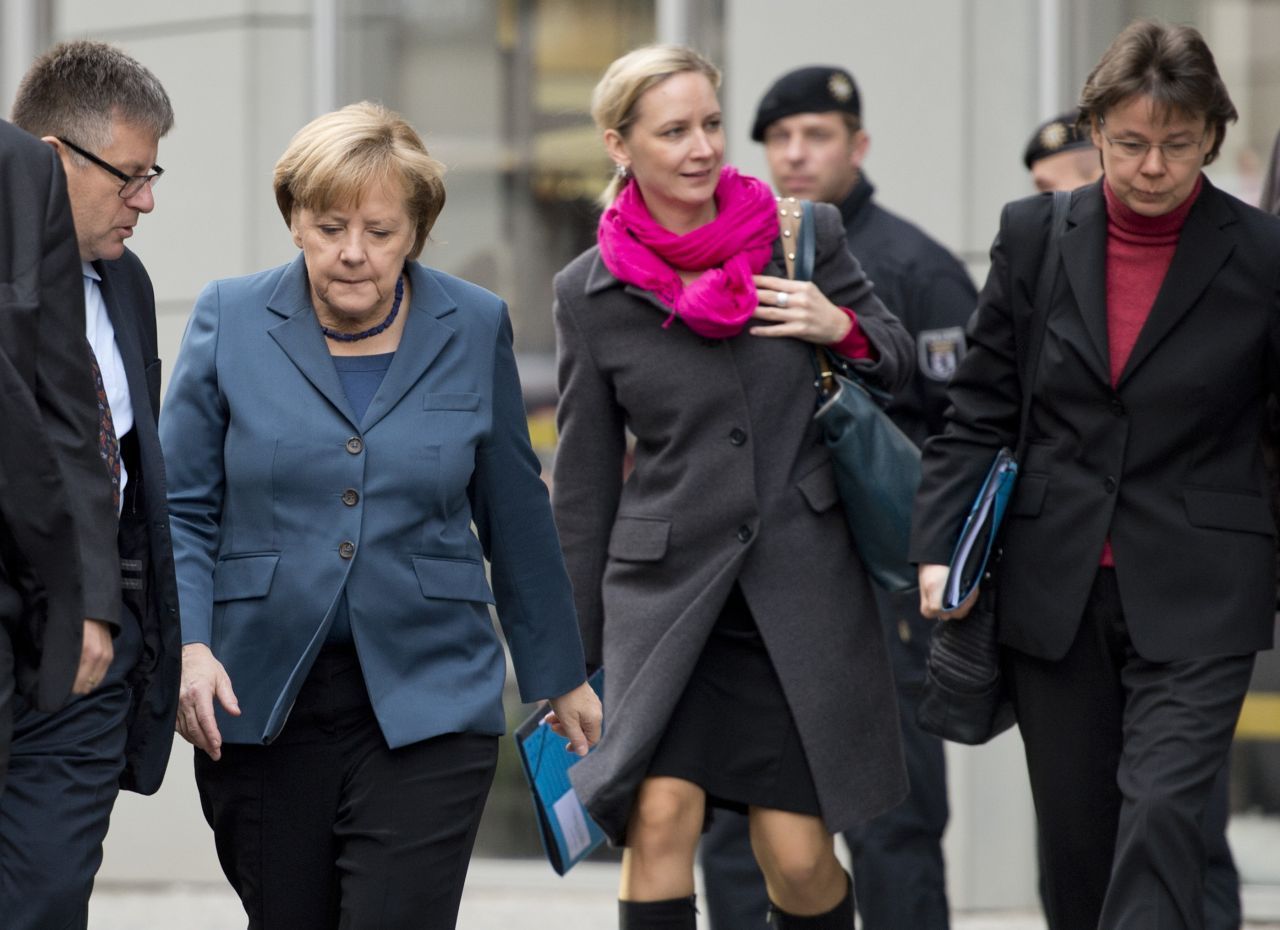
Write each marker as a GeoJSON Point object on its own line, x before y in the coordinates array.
{"type": "Point", "coordinates": [731, 482]}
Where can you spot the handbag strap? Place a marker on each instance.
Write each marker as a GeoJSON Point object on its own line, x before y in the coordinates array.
{"type": "Point", "coordinates": [799, 251]}
{"type": "Point", "coordinates": [1045, 282]}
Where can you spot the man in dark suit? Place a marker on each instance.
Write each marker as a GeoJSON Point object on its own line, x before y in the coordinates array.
{"type": "Point", "coordinates": [104, 114]}
{"type": "Point", "coordinates": [59, 584]}
{"type": "Point", "coordinates": [810, 121]}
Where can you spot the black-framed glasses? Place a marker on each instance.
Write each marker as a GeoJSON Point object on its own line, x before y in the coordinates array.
{"type": "Point", "coordinates": [1171, 151]}
{"type": "Point", "coordinates": [130, 184]}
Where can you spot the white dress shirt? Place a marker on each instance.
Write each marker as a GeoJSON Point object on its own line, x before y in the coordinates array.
{"type": "Point", "coordinates": [102, 339]}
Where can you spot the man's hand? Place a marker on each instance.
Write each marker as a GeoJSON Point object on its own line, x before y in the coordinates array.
{"type": "Point", "coordinates": [203, 679]}
{"type": "Point", "coordinates": [576, 716]}
{"type": "Point", "coordinates": [96, 652]}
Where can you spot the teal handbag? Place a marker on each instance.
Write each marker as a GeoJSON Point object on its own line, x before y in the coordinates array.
{"type": "Point", "coordinates": [877, 467]}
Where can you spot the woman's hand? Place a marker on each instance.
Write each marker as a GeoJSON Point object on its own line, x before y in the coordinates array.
{"type": "Point", "coordinates": [576, 716]}
{"type": "Point", "coordinates": [933, 581]}
{"type": "Point", "coordinates": [804, 313]}
{"type": "Point", "coordinates": [203, 679]}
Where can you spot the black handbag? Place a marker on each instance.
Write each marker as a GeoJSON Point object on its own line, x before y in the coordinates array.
{"type": "Point", "coordinates": [964, 698]}
{"type": "Point", "coordinates": [877, 468]}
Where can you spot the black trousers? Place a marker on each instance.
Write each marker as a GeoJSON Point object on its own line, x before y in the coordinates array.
{"type": "Point", "coordinates": [329, 828]}
{"type": "Point", "coordinates": [898, 871]}
{"type": "Point", "coordinates": [1122, 754]}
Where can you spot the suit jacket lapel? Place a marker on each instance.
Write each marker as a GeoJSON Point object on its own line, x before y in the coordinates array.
{"type": "Point", "coordinates": [1084, 257]}
{"type": "Point", "coordinates": [124, 323]}
{"type": "Point", "coordinates": [425, 335]}
{"type": "Point", "coordinates": [1203, 247]}
{"type": "Point", "coordinates": [300, 337]}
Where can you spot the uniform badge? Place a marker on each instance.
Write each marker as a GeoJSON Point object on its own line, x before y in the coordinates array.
{"type": "Point", "coordinates": [840, 87]}
{"type": "Point", "coordinates": [1054, 136]}
{"type": "Point", "coordinates": [940, 352]}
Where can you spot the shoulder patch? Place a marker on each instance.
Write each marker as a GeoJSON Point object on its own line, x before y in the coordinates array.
{"type": "Point", "coordinates": [940, 351]}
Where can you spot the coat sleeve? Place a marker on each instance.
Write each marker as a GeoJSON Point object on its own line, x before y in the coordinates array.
{"type": "Point", "coordinates": [840, 277]}
{"type": "Point", "coordinates": [69, 405]}
{"type": "Point", "coordinates": [588, 470]}
{"type": "Point", "coordinates": [986, 398]}
{"type": "Point", "coordinates": [193, 425]}
{"type": "Point", "coordinates": [513, 520]}
{"type": "Point", "coordinates": [943, 301]}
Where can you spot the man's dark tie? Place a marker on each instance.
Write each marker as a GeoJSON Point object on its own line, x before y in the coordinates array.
{"type": "Point", "coordinates": [108, 444]}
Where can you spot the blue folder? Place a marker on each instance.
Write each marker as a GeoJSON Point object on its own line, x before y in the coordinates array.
{"type": "Point", "coordinates": [977, 538]}
{"type": "Point", "coordinates": [568, 833]}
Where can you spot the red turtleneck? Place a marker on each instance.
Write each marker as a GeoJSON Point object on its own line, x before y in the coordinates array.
{"type": "Point", "coordinates": [1139, 251]}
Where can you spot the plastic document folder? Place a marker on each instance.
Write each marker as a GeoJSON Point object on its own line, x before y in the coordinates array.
{"type": "Point", "coordinates": [568, 832]}
{"type": "Point", "coordinates": [973, 549]}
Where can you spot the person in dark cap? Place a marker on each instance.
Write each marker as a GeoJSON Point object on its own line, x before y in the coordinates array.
{"type": "Point", "coordinates": [1060, 157]}
{"type": "Point", "coordinates": [810, 122]}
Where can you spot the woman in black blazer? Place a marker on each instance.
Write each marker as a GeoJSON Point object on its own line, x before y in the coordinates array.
{"type": "Point", "coordinates": [1137, 580]}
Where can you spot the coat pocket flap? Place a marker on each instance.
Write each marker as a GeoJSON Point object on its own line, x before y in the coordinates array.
{"type": "Point", "coordinates": [1225, 510]}
{"type": "Point", "coordinates": [452, 579]}
{"type": "Point", "coordinates": [1028, 495]}
{"type": "Point", "coordinates": [451, 402]}
{"type": "Point", "coordinates": [244, 576]}
{"type": "Point", "coordinates": [819, 487]}
{"type": "Point", "coordinates": [639, 539]}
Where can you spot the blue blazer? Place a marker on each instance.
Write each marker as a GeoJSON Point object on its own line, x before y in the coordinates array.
{"type": "Point", "coordinates": [280, 499]}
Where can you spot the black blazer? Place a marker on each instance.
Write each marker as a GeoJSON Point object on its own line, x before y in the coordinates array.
{"type": "Point", "coordinates": [57, 527]}
{"type": "Point", "coordinates": [144, 527]}
{"type": "Point", "coordinates": [1168, 464]}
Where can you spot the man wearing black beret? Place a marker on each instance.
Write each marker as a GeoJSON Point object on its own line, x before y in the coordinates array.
{"type": "Point", "coordinates": [1060, 157]}
{"type": "Point", "coordinates": [810, 122]}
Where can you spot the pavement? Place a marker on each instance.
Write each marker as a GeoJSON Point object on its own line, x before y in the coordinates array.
{"type": "Point", "coordinates": [500, 895]}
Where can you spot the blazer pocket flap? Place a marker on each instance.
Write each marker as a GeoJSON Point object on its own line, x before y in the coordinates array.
{"type": "Point", "coordinates": [639, 539]}
{"type": "Point", "coordinates": [1028, 495]}
{"type": "Point", "coordinates": [1225, 510]}
{"type": "Point", "coordinates": [819, 487]}
{"type": "Point", "coordinates": [452, 579]}
{"type": "Point", "coordinates": [451, 402]}
{"type": "Point", "coordinates": [243, 576]}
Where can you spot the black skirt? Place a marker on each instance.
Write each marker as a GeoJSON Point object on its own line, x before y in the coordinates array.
{"type": "Point", "coordinates": [732, 733]}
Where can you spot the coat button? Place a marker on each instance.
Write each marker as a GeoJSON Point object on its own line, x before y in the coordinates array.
{"type": "Point", "coordinates": [737, 436]}
{"type": "Point", "coordinates": [1117, 407]}
{"type": "Point", "coordinates": [355, 445]}
{"type": "Point", "coordinates": [1110, 485]}
{"type": "Point", "coordinates": [744, 534]}
{"type": "Point", "coordinates": [350, 497]}
{"type": "Point", "coordinates": [347, 549]}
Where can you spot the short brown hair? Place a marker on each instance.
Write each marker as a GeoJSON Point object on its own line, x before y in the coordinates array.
{"type": "Point", "coordinates": [334, 158]}
{"type": "Point", "coordinates": [1170, 64]}
{"type": "Point", "coordinates": [613, 103]}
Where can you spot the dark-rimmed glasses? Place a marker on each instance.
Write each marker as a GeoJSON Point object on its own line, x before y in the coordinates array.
{"type": "Point", "coordinates": [130, 184]}
{"type": "Point", "coordinates": [1171, 151]}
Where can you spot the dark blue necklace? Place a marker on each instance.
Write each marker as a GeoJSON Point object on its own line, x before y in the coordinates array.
{"type": "Point", "coordinates": [373, 330]}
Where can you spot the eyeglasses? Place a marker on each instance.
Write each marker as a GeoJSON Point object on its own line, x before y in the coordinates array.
{"type": "Point", "coordinates": [1172, 151]}
{"type": "Point", "coordinates": [130, 184]}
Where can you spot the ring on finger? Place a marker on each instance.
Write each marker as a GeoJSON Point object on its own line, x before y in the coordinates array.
{"type": "Point", "coordinates": [782, 298]}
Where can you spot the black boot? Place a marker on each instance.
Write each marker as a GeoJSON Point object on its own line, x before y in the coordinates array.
{"type": "Point", "coordinates": [839, 917]}
{"type": "Point", "coordinates": [672, 914]}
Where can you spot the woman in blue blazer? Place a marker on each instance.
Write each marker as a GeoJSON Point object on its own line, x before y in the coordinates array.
{"type": "Point", "coordinates": [334, 429]}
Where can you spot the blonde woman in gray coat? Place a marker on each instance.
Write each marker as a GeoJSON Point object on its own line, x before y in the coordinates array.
{"type": "Point", "coordinates": [717, 583]}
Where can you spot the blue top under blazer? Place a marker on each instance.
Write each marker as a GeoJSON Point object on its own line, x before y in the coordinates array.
{"type": "Point", "coordinates": [280, 500]}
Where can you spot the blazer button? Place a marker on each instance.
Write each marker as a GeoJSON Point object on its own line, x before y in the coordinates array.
{"type": "Point", "coordinates": [737, 436]}
{"type": "Point", "coordinates": [350, 497]}
{"type": "Point", "coordinates": [1117, 407]}
{"type": "Point", "coordinates": [347, 549]}
{"type": "Point", "coordinates": [355, 445]}
{"type": "Point", "coordinates": [1110, 485]}
{"type": "Point", "coordinates": [744, 534]}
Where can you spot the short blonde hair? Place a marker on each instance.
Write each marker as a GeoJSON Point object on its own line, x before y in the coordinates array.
{"type": "Point", "coordinates": [336, 157]}
{"type": "Point", "coordinates": [613, 103]}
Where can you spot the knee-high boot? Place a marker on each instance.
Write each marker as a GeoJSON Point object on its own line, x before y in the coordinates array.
{"type": "Point", "coordinates": [839, 917]}
{"type": "Point", "coordinates": [672, 914]}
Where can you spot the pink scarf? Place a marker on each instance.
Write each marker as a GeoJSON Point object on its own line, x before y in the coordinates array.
{"type": "Point", "coordinates": [728, 251]}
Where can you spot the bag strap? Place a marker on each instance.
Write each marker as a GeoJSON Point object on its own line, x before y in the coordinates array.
{"type": "Point", "coordinates": [799, 251]}
{"type": "Point", "coordinates": [1045, 282]}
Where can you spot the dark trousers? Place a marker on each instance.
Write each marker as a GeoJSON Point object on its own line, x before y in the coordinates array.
{"type": "Point", "coordinates": [62, 781]}
{"type": "Point", "coordinates": [898, 871]}
{"type": "Point", "coordinates": [329, 828]}
{"type": "Point", "coordinates": [1122, 754]}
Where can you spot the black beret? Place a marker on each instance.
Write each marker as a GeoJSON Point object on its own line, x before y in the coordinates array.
{"type": "Point", "coordinates": [1053, 136]}
{"type": "Point", "coordinates": [818, 89]}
